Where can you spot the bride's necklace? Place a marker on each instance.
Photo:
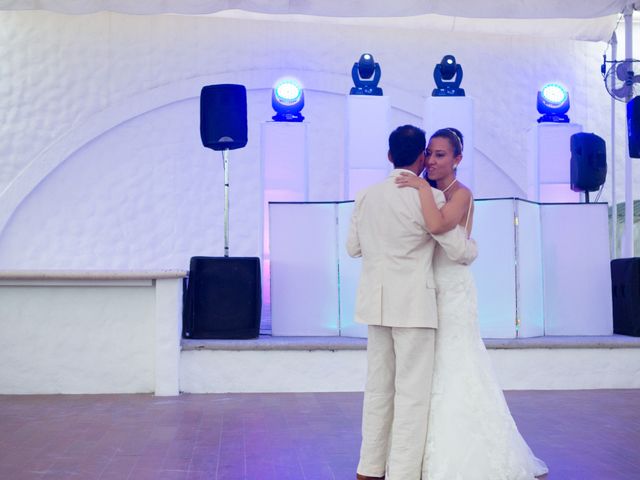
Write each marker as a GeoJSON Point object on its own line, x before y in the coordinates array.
{"type": "Point", "coordinates": [450, 185]}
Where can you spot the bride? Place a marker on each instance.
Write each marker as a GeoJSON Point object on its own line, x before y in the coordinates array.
{"type": "Point", "coordinates": [472, 435]}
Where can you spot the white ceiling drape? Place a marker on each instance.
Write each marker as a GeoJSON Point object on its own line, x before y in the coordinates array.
{"type": "Point", "coordinates": [338, 8]}
{"type": "Point", "coordinates": [592, 20]}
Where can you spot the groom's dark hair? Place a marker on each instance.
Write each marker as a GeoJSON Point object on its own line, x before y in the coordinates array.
{"type": "Point", "coordinates": [405, 144]}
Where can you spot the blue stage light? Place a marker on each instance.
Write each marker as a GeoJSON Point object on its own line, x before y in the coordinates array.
{"type": "Point", "coordinates": [287, 99]}
{"type": "Point", "coordinates": [366, 75]}
{"type": "Point", "coordinates": [448, 76]}
{"type": "Point", "coordinates": [553, 103]}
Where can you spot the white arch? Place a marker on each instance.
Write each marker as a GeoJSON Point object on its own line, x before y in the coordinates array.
{"type": "Point", "coordinates": [100, 123]}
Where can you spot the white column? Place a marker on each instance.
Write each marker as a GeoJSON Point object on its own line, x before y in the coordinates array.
{"type": "Point", "coordinates": [367, 144]}
{"type": "Point", "coordinates": [285, 177]}
{"type": "Point", "coordinates": [549, 163]}
{"type": "Point", "coordinates": [456, 112]}
{"type": "Point", "coordinates": [168, 323]}
{"type": "Point", "coordinates": [284, 161]}
{"type": "Point", "coordinates": [612, 159]}
{"type": "Point", "coordinates": [627, 239]}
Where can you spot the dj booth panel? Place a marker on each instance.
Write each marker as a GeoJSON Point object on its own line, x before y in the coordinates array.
{"type": "Point", "coordinates": [529, 263]}
{"type": "Point", "coordinates": [543, 269]}
{"type": "Point", "coordinates": [577, 275]}
{"type": "Point", "coordinates": [494, 269]}
{"type": "Point", "coordinates": [349, 275]}
{"type": "Point", "coordinates": [304, 269]}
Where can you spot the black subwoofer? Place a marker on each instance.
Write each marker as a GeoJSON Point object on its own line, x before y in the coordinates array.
{"type": "Point", "coordinates": [625, 285]}
{"type": "Point", "coordinates": [223, 298]}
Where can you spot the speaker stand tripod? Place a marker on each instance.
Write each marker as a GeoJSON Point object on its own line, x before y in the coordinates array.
{"type": "Point", "coordinates": [225, 161]}
{"type": "Point", "coordinates": [223, 297]}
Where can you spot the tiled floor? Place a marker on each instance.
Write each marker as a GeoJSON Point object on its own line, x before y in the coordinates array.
{"type": "Point", "coordinates": [582, 435]}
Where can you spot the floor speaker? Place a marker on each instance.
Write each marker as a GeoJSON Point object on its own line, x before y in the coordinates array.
{"type": "Point", "coordinates": [223, 298]}
{"type": "Point", "coordinates": [625, 284]}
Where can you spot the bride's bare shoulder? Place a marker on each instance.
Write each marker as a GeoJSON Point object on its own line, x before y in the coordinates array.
{"type": "Point", "coordinates": [462, 192]}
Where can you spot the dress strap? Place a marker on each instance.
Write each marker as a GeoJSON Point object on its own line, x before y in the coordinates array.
{"type": "Point", "coordinates": [466, 223]}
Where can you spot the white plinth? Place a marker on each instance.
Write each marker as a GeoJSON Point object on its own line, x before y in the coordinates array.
{"type": "Point", "coordinates": [366, 142]}
{"type": "Point", "coordinates": [457, 112]}
{"type": "Point", "coordinates": [549, 163]}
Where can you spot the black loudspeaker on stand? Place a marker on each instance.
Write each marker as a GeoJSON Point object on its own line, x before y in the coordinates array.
{"type": "Point", "coordinates": [625, 286]}
{"type": "Point", "coordinates": [223, 295]}
{"type": "Point", "coordinates": [588, 163]}
{"type": "Point", "coordinates": [223, 116]}
{"type": "Point", "coordinates": [633, 126]}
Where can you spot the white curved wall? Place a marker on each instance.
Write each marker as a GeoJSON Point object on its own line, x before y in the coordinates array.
{"type": "Point", "coordinates": [146, 194]}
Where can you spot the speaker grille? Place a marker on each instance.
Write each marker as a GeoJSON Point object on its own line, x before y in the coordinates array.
{"type": "Point", "coordinates": [223, 298]}
{"type": "Point", "coordinates": [223, 116]}
{"type": "Point", "coordinates": [588, 162]}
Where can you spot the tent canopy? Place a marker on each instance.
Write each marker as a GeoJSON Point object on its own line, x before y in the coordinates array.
{"type": "Point", "coordinates": [592, 20]}
{"type": "Point", "coordinates": [339, 8]}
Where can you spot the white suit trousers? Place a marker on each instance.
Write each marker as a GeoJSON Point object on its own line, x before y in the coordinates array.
{"type": "Point", "coordinates": [396, 401]}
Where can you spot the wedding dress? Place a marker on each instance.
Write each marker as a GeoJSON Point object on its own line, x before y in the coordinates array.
{"type": "Point", "coordinates": [472, 435]}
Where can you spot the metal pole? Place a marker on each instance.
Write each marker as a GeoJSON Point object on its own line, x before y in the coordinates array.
{"type": "Point", "coordinates": [627, 244]}
{"type": "Point", "coordinates": [225, 160]}
{"type": "Point", "coordinates": [614, 197]}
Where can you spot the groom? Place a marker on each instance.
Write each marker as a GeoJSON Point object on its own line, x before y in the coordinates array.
{"type": "Point", "coordinates": [397, 299]}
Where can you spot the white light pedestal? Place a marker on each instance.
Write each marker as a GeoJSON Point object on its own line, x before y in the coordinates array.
{"type": "Point", "coordinates": [456, 112]}
{"type": "Point", "coordinates": [284, 177]}
{"type": "Point", "coordinates": [366, 142]}
{"type": "Point", "coordinates": [549, 163]}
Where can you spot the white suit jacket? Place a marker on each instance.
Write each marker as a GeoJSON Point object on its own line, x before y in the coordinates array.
{"type": "Point", "coordinates": [387, 229]}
